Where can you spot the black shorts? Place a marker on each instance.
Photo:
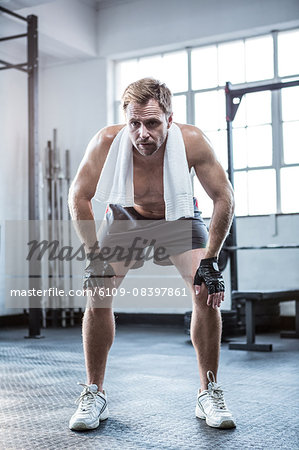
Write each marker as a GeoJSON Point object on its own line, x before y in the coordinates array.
{"type": "Point", "coordinates": [128, 236]}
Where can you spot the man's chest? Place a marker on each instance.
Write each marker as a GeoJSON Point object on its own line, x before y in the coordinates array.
{"type": "Point", "coordinates": [148, 182]}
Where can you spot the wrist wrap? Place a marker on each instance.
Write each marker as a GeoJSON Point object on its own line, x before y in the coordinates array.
{"type": "Point", "coordinates": [97, 271]}
{"type": "Point", "coordinates": [208, 273]}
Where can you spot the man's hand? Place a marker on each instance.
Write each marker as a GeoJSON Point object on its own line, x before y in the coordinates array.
{"type": "Point", "coordinates": [97, 273]}
{"type": "Point", "coordinates": [209, 274]}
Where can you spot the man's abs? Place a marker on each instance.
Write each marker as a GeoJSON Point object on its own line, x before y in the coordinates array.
{"type": "Point", "coordinates": [149, 194]}
{"type": "Point", "coordinates": [149, 204]}
{"type": "Point", "coordinates": [150, 210]}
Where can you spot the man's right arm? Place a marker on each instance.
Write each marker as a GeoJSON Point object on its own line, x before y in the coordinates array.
{"type": "Point", "coordinates": [84, 185]}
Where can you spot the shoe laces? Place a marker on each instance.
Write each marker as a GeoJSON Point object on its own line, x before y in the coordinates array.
{"type": "Point", "coordinates": [86, 399]}
{"type": "Point", "coordinates": [215, 392]}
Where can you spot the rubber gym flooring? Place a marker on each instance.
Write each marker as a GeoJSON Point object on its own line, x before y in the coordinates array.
{"type": "Point", "coordinates": [151, 382]}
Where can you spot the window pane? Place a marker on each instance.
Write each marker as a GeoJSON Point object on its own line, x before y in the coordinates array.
{"type": "Point", "coordinates": [125, 74]}
{"type": "Point", "coordinates": [291, 142]}
{"type": "Point", "coordinates": [255, 192]}
{"type": "Point", "coordinates": [218, 140]}
{"type": "Point", "coordinates": [175, 71]}
{"type": "Point", "coordinates": [261, 191]}
{"type": "Point", "coordinates": [254, 109]}
{"type": "Point", "coordinates": [205, 204]}
{"type": "Point", "coordinates": [288, 55]}
{"type": "Point", "coordinates": [259, 58]}
{"type": "Point", "coordinates": [150, 66]}
{"type": "Point", "coordinates": [204, 67]}
{"type": "Point", "coordinates": [231, 62]}
{"type": "Point", "coordinates": [259, 145]}
{"type": "Point", "coordinates": [290, 103]}
{"type": "Point", "coordinates": [289, 180]}
{"type": "Point", "coordinates": [210, 110]}
{"type": "Point", "coordinates": [179, 108]}
{"type": "Point", "coordinates": [258, 108]}
{"type": "Point", "coordinates": [252, 146]}
{"type": "Point", "coordinates": [241, 193]}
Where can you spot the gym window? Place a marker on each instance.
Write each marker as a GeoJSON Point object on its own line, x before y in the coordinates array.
{"type": "Point", "coordinates": [266, 127]}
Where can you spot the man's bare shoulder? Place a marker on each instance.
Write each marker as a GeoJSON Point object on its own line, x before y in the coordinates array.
{"type": "Point", "coordinates": [196, 143]}
{"type": "Point", "coordinates": [190, 133]}
{"type": "Point", "coordinates": [98, 147]}
{"type": "Point", "coordinates": [107, 135]}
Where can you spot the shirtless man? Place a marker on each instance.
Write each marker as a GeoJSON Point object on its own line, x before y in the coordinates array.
{"type": "Point", "coordinates": [147, 107]}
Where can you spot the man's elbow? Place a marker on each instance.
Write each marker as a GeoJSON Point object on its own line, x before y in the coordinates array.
{"type": "Point", "coordinates": [77, 196]}
{"type": "Point", "coordinates": [226, 197]}
{"type": "Point", "coordinates": [71, 196]}
{"type": "Point", "coordinates": [232, 200]}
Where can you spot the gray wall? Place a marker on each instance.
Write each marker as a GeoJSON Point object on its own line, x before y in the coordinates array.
{"type": "Point", "coordinates": [76, 98]}
{"type": "Point", "coordinates": [269, 269]}
{"type": "Point", "coordinates": [13, 167]}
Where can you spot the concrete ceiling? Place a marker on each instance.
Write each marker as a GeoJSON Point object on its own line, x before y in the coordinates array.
{"type": "Point", "coordinates": [67, 30]}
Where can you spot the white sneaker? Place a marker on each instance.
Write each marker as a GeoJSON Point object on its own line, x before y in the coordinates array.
{"type": "Point", "coordinates": [92, 409]}
{"type": "Point", "coordinates": [211, 406]}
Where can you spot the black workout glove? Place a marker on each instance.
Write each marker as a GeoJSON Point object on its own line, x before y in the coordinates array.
{"type": "Point", "coordinates": [96, 273]}
{"type": "Point", "coordinates": [209, 273]}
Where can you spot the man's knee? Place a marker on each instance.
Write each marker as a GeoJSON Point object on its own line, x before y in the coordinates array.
{"type": "Point", "coordinates": [200, 304]}
{"type": "Point", "coordinates": [100, 299]}
{"type": "Point", "coordinates": [199, 299]}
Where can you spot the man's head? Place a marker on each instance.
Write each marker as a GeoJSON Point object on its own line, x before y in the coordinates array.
{"type": "Point", "coordinates": [148, 109]}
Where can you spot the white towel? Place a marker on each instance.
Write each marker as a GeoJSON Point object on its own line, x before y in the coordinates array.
{"type": "Point", "coordinates": [116, 181]}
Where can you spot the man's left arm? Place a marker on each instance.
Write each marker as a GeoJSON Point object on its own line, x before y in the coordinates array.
{"type": "Point", "coordinates": [215, 182]}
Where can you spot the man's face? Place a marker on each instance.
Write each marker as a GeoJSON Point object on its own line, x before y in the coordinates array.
{"type": "Point", "coordinates": [147, 125]}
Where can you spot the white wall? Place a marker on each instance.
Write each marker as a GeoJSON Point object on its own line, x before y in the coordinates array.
{"type": "Point", "coordinates": [13, 144]}
{"type": "Point", "coordinates": [73, 100]}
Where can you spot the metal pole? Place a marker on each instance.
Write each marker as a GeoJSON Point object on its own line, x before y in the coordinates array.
{"type": "Point", "coordinates": [232, 239]}
{"type": "Point", "coordinates": [33, 173]}
{"type": "Point", "coordinates": [55, 206]}
{"type": "Point", "coordinates": [7, 65]}
{"type": "Point", "coordinates": [12, 13]}
{"type": "Point", "coordinates": [68, 182]}
{"type": "Point", "coordinates": [49, 159]}
{"type": "Point", "coordinates": [61, 240]}
{"type": "Point", "coordinates": [15, 36]}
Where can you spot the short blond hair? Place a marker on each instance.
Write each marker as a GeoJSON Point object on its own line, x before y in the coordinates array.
{"type": "Point", "coordinates": [141, 91]}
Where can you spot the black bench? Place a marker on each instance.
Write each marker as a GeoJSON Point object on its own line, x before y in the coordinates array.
{"type": "Point", "coordinates": [251, 298]}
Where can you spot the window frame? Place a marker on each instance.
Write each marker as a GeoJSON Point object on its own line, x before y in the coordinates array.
{"type": "Point", "coordinates": [276, 104]}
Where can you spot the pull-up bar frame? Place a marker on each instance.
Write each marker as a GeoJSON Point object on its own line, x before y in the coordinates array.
{"type": "Point", "coordinates": [31, 67]}
{"type": "Point", "coordinates": [233, 97]}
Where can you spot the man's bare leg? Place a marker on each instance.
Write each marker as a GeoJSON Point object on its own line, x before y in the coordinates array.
{"type": "Point", "coordinates": [205, 333]}
{"type": "Point", "coordinates": [98, 331]}
{"type": "Point", "coordinates": [205, 329]}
